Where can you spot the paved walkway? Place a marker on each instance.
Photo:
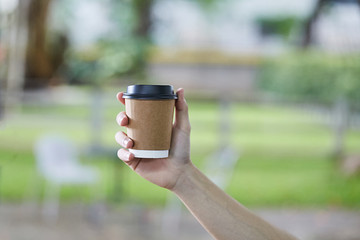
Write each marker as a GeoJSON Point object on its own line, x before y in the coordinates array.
{"type": "Point", "coordinates": [138, 223]}
{"type": "Point", "coordinates": [314, 224]}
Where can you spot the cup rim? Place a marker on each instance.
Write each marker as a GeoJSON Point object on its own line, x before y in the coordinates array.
{"type": "Point", "coordinates": [151, 92]}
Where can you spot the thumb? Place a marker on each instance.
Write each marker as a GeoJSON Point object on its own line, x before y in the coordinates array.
{"type": "Point", "coordinates": [182, 114]}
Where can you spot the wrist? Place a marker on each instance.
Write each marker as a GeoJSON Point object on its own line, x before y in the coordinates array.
{"type": "Point", "coordinates": [186, 174]}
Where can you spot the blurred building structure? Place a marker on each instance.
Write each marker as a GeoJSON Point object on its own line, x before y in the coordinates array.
{"type": "Point", "coordinates": [216, 45]}
{"type": "Point", "coordinates": [219, 50]}
{"type": "Point", "coordinates": [235, 27]}
{"type": "Point", "coordinates": [229, 26]}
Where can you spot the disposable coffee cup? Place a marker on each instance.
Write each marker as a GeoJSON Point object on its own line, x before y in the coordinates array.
{"type": "Point", "coordinates": [150, 109]}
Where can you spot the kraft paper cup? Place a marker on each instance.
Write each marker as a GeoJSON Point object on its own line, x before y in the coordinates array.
{"type": "Point", "coordinates": [150, 109]}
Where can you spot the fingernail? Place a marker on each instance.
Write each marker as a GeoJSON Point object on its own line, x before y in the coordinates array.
{"type": "Point", "coordinates": [120, 117]}
{"type": "Point", "coordinates": [126, 142]}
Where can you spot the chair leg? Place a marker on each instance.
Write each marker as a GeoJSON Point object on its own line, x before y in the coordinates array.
{"type": "Point", "coordinates": [51, 203]}
{"type": "Point", "coordinates": [32, 194]}
{"type": "Point", "coordinates": [97, 210]}
{"type": "Point", "coordinates": [98, 190]}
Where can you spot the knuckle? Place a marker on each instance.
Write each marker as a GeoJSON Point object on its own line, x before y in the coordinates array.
{"type": "Point", "coordinates": [187, 128]}
{"type": "Point", "coordinates": [121, 154]}
{"type": "Point", "coordinates": [120, 116]}
{"type": "Point", "coordinates": [119, 137]}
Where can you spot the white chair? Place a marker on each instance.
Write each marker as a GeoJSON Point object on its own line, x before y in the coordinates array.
{"type": "Point", "coordinates": [57, 162]}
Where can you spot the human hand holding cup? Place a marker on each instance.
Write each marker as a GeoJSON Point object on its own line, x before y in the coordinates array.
{"type": "Point", "coordinates": [147, 120]}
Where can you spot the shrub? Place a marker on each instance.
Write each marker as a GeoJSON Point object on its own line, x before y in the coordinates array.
{"type": "Point", "coordinates": [313, 77]}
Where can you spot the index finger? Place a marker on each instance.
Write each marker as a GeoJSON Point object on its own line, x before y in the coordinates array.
{"type": "Point", "coordinates": [119, 96]}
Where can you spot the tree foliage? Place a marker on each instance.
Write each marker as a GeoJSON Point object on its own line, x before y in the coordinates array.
{"type": "Point", "coordinates": [313, 77]}
{"type": "Point", "coordinates": [281, 26]}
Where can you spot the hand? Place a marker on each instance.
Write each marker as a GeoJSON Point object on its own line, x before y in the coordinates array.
{"type": "Point", "coordinates": [163, 172]}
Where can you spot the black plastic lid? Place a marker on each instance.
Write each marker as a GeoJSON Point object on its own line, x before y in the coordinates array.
{"type": "Point", "coordinates": [150, 92]}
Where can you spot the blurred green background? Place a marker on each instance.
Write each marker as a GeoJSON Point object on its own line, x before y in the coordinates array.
{"type": "Point", "coordinates": [273, 92]}
{"type": "Point", "coordinates": [277, 82]}
{"type": "Point", "coordinates": [285, 154]}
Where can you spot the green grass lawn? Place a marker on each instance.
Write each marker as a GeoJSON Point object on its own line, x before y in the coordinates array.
{"type": "Point", "coordinates": [284, 155]}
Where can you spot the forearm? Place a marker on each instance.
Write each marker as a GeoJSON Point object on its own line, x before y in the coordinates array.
{"type": "Point", "coordinates": [222, 216]}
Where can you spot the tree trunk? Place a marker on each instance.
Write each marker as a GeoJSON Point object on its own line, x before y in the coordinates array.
{"type": "Point", "coordinates": [14, 40]}
{"type": "Point", "coordinates": [142, 33]}
{"type": "Point", "coordinates": [144, 21]}
{"type": "Point", "coordinates": [309, 24]}
{"type": "Point", "coordinates": [38, 64]}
